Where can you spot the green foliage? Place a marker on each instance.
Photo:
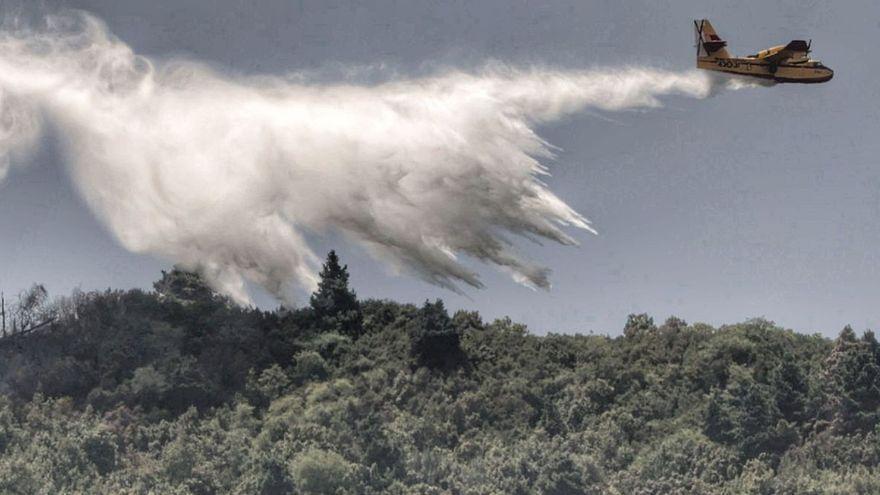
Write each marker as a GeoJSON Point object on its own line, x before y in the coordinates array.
{"type": "Point", "coordinates": [184, 287]}
{"type": "Point", "coordinates": [435, 341]}
{"type": "Point", "coordinates": [744, 414]}
{"type": "Point", "coordinates": [265, 474]}
{"type": "Point", "coordinates": [684, 462]}
{"type": "Point", "coordinates": [852, 382]}
{"type": "Point", "coordinates": [637, 325]}
{"type": "Point", "coordinates": [179, 391]}
{"type": "Point", "coordinates": [319, 472]}
{"type": "Point", "coordinates": [309, 366]}
{"type": "Point", "coordinates": [334, 303]}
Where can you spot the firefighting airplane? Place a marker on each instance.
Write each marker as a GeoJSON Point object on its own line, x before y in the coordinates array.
{"type": "Point", "coordinates": [784, 63]}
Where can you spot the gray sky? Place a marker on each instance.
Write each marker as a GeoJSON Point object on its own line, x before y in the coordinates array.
{"type": "Point", "coordinates": [752, 203]}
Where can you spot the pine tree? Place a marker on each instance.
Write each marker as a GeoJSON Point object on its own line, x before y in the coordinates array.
{"type": "Point", "coordinates": [852, 382]}
{"type": "Point", "coordinates": [745, 415]}
{"type": "Point", "coordinates": [789, 380]}
{"type": "Point", "coordinates": [335, 305]}
{"type": "Point", "coordinates": [435, 342]}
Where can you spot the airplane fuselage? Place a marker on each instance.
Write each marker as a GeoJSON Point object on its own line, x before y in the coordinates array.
{"type": "Point", "coordinates": [801, 71]}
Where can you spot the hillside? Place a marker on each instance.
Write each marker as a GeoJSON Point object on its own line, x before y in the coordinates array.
{"type": "Point", "coordinates": [179, 391]}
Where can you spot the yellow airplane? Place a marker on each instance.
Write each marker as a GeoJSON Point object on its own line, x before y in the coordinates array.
{"type": "Point", "coordinates": [784, 63]}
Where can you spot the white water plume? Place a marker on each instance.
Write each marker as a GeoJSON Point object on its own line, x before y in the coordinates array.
{"type": "Point", "coordinates": [223, 174]}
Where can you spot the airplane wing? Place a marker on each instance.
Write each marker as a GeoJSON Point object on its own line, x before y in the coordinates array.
{"type": "Point", "coordinates": [794, 49]}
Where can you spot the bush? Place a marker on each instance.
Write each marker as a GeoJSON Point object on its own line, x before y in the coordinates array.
{"type": "Point", "coordinates": [320, 472]}
{"type": "Point", "coordinates": [309, 365]}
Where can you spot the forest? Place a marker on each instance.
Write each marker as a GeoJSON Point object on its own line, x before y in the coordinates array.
{"type": "Point", "coordinates": [178, 390]}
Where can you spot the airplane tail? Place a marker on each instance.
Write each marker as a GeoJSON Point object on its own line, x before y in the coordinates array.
{"type": "Point", "coordinates": [708, 43]}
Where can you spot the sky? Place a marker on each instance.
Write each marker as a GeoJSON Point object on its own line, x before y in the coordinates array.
{"type": "Point", "coordinates": [756, 203]}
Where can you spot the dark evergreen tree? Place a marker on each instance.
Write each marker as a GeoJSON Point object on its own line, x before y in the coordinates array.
{"type": "Point", "coordinates": [744, 415]}
{"type": "Point", "coordinates": [435, 341]}
{"type": "Point", "coordinates": [335, 305]}
{"type": "Point", "coordinates": [853, 382]}
{"type": "Point", "coordinates": [790, 382]}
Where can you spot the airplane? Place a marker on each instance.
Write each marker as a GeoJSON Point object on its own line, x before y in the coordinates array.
{"type": "Point", "coordinates": [784, 63]}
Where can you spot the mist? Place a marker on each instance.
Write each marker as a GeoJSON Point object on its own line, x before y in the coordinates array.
{"type": "Point", "coordinates": [224, 174]}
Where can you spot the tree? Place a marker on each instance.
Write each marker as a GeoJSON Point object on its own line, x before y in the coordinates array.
{"type": "Point", "coordinates": [183, 287]}
{"type": "Point", "coordinates": [852, 382]}
{"type": "Point", "coordinates": [638, 324]}
{"type": "Point", "coordinates": [33, 311]}
{"type": "Point", "coordinates": [791, 389]}
{"type": "Point", "coordinates": [319, 471]}
{"type": "Point", "coordinates": [435, 341]}
{"type": "Point", "coordinates": [745, 415]}
{"type": "Point", "coordinates": [335, 305]}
